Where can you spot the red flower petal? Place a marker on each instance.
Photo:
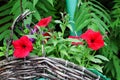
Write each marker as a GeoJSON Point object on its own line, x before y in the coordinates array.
{"type": "Point", "coordinates": [20, 53]}
{"type": "Point", "coordinates": [74, 37]}
{"type": "Point", "coordinates": [93, 39]}
{"type": "Point", "coordinates": [44, 22]}
{"type": "Point", "coordinates": [75, 43]}
{"type": "Point", "coordinates": [22, 47]}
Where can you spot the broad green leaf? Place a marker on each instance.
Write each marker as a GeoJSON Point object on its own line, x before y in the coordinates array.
{"type": "Point", "coordinates": [99, 68]}
{"type": "Point", "coordinates": [93, 59]}
{"type": "Point", "coordinates": [97, 61]}
{"type": "Point", "coordinates": [58, 21]}
{"type": "Point", "coordinates": [70, 27]}
{"type": "Point", "coordinates": [101, 57]}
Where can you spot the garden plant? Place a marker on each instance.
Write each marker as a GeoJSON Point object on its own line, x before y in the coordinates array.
{"type": "Point", "coordinates": [46, 32]}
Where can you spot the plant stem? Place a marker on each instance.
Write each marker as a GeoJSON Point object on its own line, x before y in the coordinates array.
{"type": "Point", "coordinates": [88, 62]}
{"type": "Point", "coordinates": [21, 8]}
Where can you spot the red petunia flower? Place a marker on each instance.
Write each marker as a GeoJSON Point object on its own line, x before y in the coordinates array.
{"type": "Point", "coordinates": [44, 22]}
{"type": "Point", "coordinates": [22, 47]}
{"type": "Point", "coordinates": [93, 39]}
{"type": "Point", "coordinates": [75, 37]}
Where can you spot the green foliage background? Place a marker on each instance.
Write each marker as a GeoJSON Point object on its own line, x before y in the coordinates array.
{"type": "Point", "coordinates": [89, 14]}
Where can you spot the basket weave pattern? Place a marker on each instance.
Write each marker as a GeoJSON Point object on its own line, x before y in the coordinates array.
{"type": "Point", "coordinates": [43, 67]}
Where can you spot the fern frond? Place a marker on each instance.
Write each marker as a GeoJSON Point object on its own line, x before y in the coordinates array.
{"type": "Point", "coordinates": [91, 15]}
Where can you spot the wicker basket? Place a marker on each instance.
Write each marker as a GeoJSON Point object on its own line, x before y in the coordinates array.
{"type": "Point", "coordinates": [34, 68]}
{"type": "Point", "coordinates": [43, 67]}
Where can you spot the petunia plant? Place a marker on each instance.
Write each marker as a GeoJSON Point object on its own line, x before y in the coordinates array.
{"type": "Point", "coordinates": [41, 40]}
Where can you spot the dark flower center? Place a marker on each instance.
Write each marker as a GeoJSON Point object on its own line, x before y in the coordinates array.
{"type": "Point", "coordinates": [92, 40]}
{"type": "Point", "coordinates": [23, 46]}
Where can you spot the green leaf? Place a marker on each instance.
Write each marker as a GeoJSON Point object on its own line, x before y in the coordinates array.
{"type": "Point", "coordinates": [101, 57]}
{"type": "Point", "coordinates": [28, 20]}
{"type": "Point", "coordinates": [74, 49]}
{"type": "Point", "coordinates": [99, 68]}
{"type": "Point", "coordinates": [70, 27]}
{"type": "Point", "coordinates": [72, 40]}
{"type": "Point", "coordinates": [32, 36]}
{"type": "Point", "coordinates": [37, 15]}
{"type": "Point", "coordinates": [5, 27]}
{"type": "Point", "coordinates": [93, 27]}
{"type": "Point", "coordinates": [97, 61]}
{"type": "Point", "coordinates": [51, 2]}
{"type": "Point", "coordinates": [81, 17]}
{"type": "Point", "coordinates": [102, 9]}
{"type": "Point", "coordinates": [43, 7]}
{"type": "Point", "coordinates": [116, 63]}
{"type": "Point", "coordinates": [63, 53]}
{"type": "Point", "coordinates": [2, 54]}
{"type": "Point", "coordinates": [58, 21]}
{"type": "Point", "coordinates": [49, 49]}
{"type": "Point", "coordinates": [16, 6]}
{"type": "Point", "coordinates": [35, 2]}
{"type": "Point", "coordinates": [84, 24]}
{"type": "Point", "coordinates": [4, 34]}
{"type": "Point", "coordinates": [102, 29]}
{"type": "Point", "coordinates": [6, 12]}
{"type": "Point", "coordinates": [28, 5]}
{"type": "Point", "coordinates": [93, 59]}
{"type": "Point", "coordinates": [6, 6]}
{"type": "Point", "coordinates": [5, 19]}
{"type": "Point", "coordinates": [100, 21]}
